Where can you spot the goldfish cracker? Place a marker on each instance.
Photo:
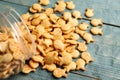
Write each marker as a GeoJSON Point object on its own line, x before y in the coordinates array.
{"type": "Point", "coordinates": [51, 58]}
{"type": "Point", "coordinates": [96, 22]}
{"type": "Point", "coordinates": [48, 11]}
{"type": "Point", "coordinates": [88, 37]}
{"type": "Point", "coordinates": [58, 44]}
{"type": "Point", "coordinates": [53, 18]}
{"type": "Point", "coordinates": [83, 26]}
{"type": "Point", "coordinates": [70, 48]}
{"type": "Point", "coordinates": [82, 46]}
{"type": "Point", "coordinates": [38, 58]}
{"type": "Point", "coordinates": [76, 14]}
{"type": "Point", "coordinates": [58, 73]}
{"type": "Point", "coordinates": [66, 27]}
{"type": "Point", "coordinates": [46, 23]}
{"type": "Point", "coordinates": [32, 10]}
{"type": "Point", "coordinates": [48, 42]}
{"type": "Point", "coordinates": [89, 12]}
{"type": "Point", "coordinates": [67, 16]}
{"type": "Point", "coordinates": [49, 67]}
{"type": "Point", "coordinates": [66, 59]}
{"type": "Point", "coordinates": [71, 66]}
{"type": "Point", "coordinates": [57, 31]}
{"type": "Point", "coordinates": [37, 7]}
{"type": "Point", "coordinates": [60, 6]}
{"type": "Point", "coordinates": [70, 5]}
{"type": "Point", "coordinates": [80, 64]}
{"type": "Point", "coordinates": [33, 64]}
{"type": "Point", "coordinates": [75, 53]}
{"type": "Point", "coordinates": [43, 16]}
{"type": "Point", "coordinates": [87, 57]}
{"type": "Point", "coordinates": [74, 36]}
{"type": "Point", "coordinates": [35, 21]}
{"type": "Point", "coordinates": [96, 30]}
{"type": "Point", "coordinates": [73, 22]}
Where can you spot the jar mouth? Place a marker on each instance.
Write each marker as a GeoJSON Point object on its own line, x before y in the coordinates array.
{"type": "Point", "coordinates": [12, 21]}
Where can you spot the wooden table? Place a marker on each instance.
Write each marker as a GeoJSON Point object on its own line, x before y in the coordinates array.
{"type": "Point", "coordinates": [108, 10]}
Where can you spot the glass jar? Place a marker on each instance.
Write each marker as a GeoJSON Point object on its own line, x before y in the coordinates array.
{"type": "Point", "coordinates": [16, 43]}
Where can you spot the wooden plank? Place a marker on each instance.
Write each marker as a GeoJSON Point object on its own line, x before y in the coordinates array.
{"type": "Point", "coordinates": [108, 10]}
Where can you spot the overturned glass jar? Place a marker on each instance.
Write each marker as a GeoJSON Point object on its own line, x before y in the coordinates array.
{"type": "Point", "coordinates": [16, 43]}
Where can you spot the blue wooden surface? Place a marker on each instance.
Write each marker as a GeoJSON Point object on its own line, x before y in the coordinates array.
{"type": "Point", "coordinates": [105, 50]}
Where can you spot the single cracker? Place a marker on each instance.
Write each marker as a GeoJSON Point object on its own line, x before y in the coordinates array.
{"type": "Point", "coordinates": [66, 27]}
{"type": "Point", "coordinates": [88, 37]}
{"type": "Point", "coordinates": [80, 32]}
{"type": "Point", "coordinates": [75, 54]}
{"type": "Point", "coordinates": [60, 6]}
{"type": "Point", "coordinates": [89, 13]}
{"type": "Point", "coordinates": [38, 58]}
{"type": "Point", "coordinates": [32, 10]}
{"type": "Point", "coordinates": [96, 22]}
{"type": "Point", "coordinates": [53, 18]}
{"type": "Point", "coordinates": [70, 5]}
{"type": "Point", "coordinates": [37, 7]}
{"type": "Point", "coordinates": [80, 64]}
{"type": "Point", "coordinates": [76, 14]}
{"type": "Point", "coordinates": [33, 64]}
{"type": "Point", "coordinates": [96, 30]}
{"type": "Point", "coordinates": [74, 36]}
{"type": "Point", "coordinates": [48, 42]}
{"type": "Point", "coordinates": [67, 16]}
{"type": "Point", "coordinates": [71, 66]}
{"type": "Point", "coordinates": [66, 59]}
{"type": "Point", "coordinates": [51, 57]}
{"type": "Point", "coordinates": [49, 67]}
{"type": "Point", "coordinates": [41, 50]}
{"type": "Point", "coordinates": [83, 26]}
{"type": "Point", "coordinates": [70, 48]}
{"type": "Point", "coordinates": [58, 44]}
{"type": "Point", "coordinates": [82, 46]}
{"type": "Point", "coordinates": [35, 22]}
{"type": "Point", "coordinates": [87, 57]}
{"type": "Point", "coordinates": [73, 22]}
{"type": "Point", "coordinates": [58, 73]}
{"type": "Point", "coordinates": [48, 11]}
